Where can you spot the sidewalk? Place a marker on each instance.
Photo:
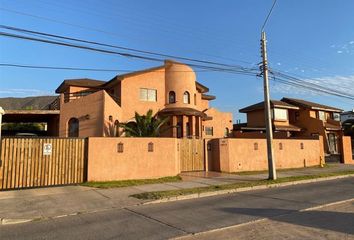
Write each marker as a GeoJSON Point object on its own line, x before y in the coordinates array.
{"type": "Point", "coordinates": [44, 203]}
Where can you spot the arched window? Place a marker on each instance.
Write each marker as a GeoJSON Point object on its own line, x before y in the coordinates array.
{"type": "Point", "coordinates": [171, 97]}
{"type": "Point", "coordinates": [186, 98]}
{"type": "Point", "coordinates": [73, 127]}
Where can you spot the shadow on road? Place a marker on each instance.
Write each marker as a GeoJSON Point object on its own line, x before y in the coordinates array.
{"type": "Point", "coordinates": [335, 221]}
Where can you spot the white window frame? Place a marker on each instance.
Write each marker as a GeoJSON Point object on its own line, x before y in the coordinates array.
{"type": "Point", "coordinates": [148, 95]}
{"type": "Point", "coordinates": [322, 115]}
{"type": "Point", "coordinates": [280, 117]}
{"type": "Point", "coordinates": [186, 97]}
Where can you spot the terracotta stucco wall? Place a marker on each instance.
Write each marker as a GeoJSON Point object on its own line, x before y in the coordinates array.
{"type": "Point", "coordinates": [105, 163]}
{"type": "Point", "coordinates": [310, 124]}
{"type": "Point", "coordinates": [130, 87]}
{"type": "Point", "coordinates": [220, 121]}
{"type": "Point", "coordinates": [347, 155]}
{"type": "Point", "coordinates": [255, 118]}
{"type": "Point", "coordinates": [180, 78]}
{"type": "Point", "coordinates": [237, 155]}
{"type": "Point", "coordinates": [111, 108]}
{"type": "Point", "coordinates": [89, 111]}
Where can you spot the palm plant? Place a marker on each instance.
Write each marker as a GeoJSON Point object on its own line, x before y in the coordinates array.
{"type": "Point", "coordinates": [148, 125]}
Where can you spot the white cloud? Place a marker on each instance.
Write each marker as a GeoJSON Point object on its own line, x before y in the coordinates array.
{"type": "Point", "coordinates": [344, 48]}
{"type": "Point", "coordinates": [339, 83]}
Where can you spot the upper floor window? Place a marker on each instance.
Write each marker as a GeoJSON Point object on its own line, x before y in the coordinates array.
{"type": "Point", "coordinates": [171, 97]}
{"type": "Point", "coordinates": [280, 114]}
{"type": "Point", "coordinates": [336, 116]}
{"type": "Point", "coordinates": [209, 131]}
{"type": "Point", "coordinates": [322, 115]}
{"type": "Point", "coordinates": [147, 94]}
{"type": "Point", "coordinates": [186, 97]}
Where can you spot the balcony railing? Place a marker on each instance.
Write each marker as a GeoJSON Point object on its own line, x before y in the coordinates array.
{"type": "Point", "coordinates": [68, 97]}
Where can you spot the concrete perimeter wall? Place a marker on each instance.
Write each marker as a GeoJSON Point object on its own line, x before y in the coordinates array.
{"type": "Point", "coordinates": [105, 163]}
{"type": "Point", "coordinates": [347, 154]}
{"type": "Point", "coordinates": [237, 155]}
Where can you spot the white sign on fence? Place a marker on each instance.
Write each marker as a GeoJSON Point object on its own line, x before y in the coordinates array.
{"type": "Point", "coordinates": [47, 149]}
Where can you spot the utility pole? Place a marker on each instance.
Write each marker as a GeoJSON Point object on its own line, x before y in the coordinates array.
{"type": "Point", "coordinates": [268, 118]}
{"type": "Point", "coordinates": [2, 112]}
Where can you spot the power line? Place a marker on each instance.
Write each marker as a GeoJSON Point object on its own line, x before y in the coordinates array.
{"type": "Point", "coordinates": [79, 69]}
{"type": "Point", "coordinates": [270, 12]}
{"type": "Point", "coordinates": [301, 81]}
{"type": "Point", "coordinates": [312, 88]}
{"type": "Point", "coordinates": [124, 54]}
{"type": "Point", "coordinates": [249, 72]}
{"type": "Point", "coordinates": [119, 47]}
{"type": "Point", "coordinates": [67, 23]}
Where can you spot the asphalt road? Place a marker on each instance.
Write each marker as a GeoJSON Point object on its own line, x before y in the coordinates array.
{"type": "Point", "coordinates": [175, 219]}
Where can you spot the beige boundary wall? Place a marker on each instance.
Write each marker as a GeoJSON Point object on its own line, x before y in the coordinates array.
{"type": "Point", "coordinates": [106, 163]}
{"type": "Point", "coordinates": [347, 154]}
{"type": "Point", "coordinates": [237, 155]}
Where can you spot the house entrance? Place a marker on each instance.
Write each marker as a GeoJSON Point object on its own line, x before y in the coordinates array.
{"type": "Point", "coordinates": [192, 154]}
{"type": "Point", "coordinates": [332, 143]}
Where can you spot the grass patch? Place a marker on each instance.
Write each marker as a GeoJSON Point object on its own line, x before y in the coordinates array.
{"type": "Point", "coordinates": [129, 183]}
{"type": "Point", "coordinates": [174, 193]}
{"type": "Point", "coordinates": [279, 170]}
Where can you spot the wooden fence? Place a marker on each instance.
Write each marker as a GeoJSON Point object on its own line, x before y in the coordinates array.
{"type": "Point", "coordinates": [38, 162]}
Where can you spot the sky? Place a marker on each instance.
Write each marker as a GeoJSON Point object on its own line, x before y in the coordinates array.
{"type": "Point", "coordinates": [312, 40]}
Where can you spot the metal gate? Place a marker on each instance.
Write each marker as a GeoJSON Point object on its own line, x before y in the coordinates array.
{"type": "Point", "coordinates": [38, 162]}
{"type": "Point", "coordinates": [192, 155]}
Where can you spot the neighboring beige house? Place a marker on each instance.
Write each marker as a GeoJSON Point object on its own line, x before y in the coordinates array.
{"type": "Point", "coordinates": [295, 118]}
{"type": "Point", "coordinates": [95, 108]}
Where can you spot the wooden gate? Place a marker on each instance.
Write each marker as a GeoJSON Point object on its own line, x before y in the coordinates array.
{"type": "Point", "coordinates": [38, 162]}
{"type": "Point", "coordinates": [192, 155]}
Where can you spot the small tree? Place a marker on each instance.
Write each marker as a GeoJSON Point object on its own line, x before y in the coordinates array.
{"type": "Point", "coordinates": [148, 125]}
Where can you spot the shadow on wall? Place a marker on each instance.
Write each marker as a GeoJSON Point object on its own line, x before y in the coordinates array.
{"type": "Point", "coordinates": [326, 220]}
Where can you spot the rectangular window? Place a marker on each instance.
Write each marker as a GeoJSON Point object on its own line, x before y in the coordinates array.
{"type": "Point", "coordinates": [321, 115]}
{"type": "Point", "coordinates": [336, 116]}
{"type": "Point", "coordinates": [149, 95]}
{"type": "Point", "coordinates": [280, 114]}
{"type": "Point", "coordinates": [209, 131]}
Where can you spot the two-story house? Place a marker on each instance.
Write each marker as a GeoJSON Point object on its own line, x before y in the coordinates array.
{"type": "Point", "coordinates": [280, 112]}
{"type": "Point", "coordinates": [95, 108]}
{"type": "Point", "coordinates": [294, 118]}
{"type": "Point", "coordinates": [317, 119]}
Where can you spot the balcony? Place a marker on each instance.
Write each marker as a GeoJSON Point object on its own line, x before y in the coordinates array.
{"type": "Point", "coordinates": [69, 97]}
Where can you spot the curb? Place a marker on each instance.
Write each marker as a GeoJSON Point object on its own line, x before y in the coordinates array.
{"type": "Point", "coordinates": [259, 220]}
{"type": "Point", "coordinates": [229, 191]}
{"type": "Point", "coordinates": [12, 221]}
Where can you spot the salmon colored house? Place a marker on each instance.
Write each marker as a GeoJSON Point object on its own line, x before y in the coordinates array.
{"type": "Point", "coordinates": [95, 108]}
{"type": "Point", "coordinates": [295, 118]}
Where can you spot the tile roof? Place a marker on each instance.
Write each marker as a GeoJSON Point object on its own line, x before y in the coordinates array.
{"type": "Point", "coordinates": [80, 82]}
{"type": "Point", "coordinates": [273, 103]}
{"type": "Point", "coordinates": [311, 105]}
